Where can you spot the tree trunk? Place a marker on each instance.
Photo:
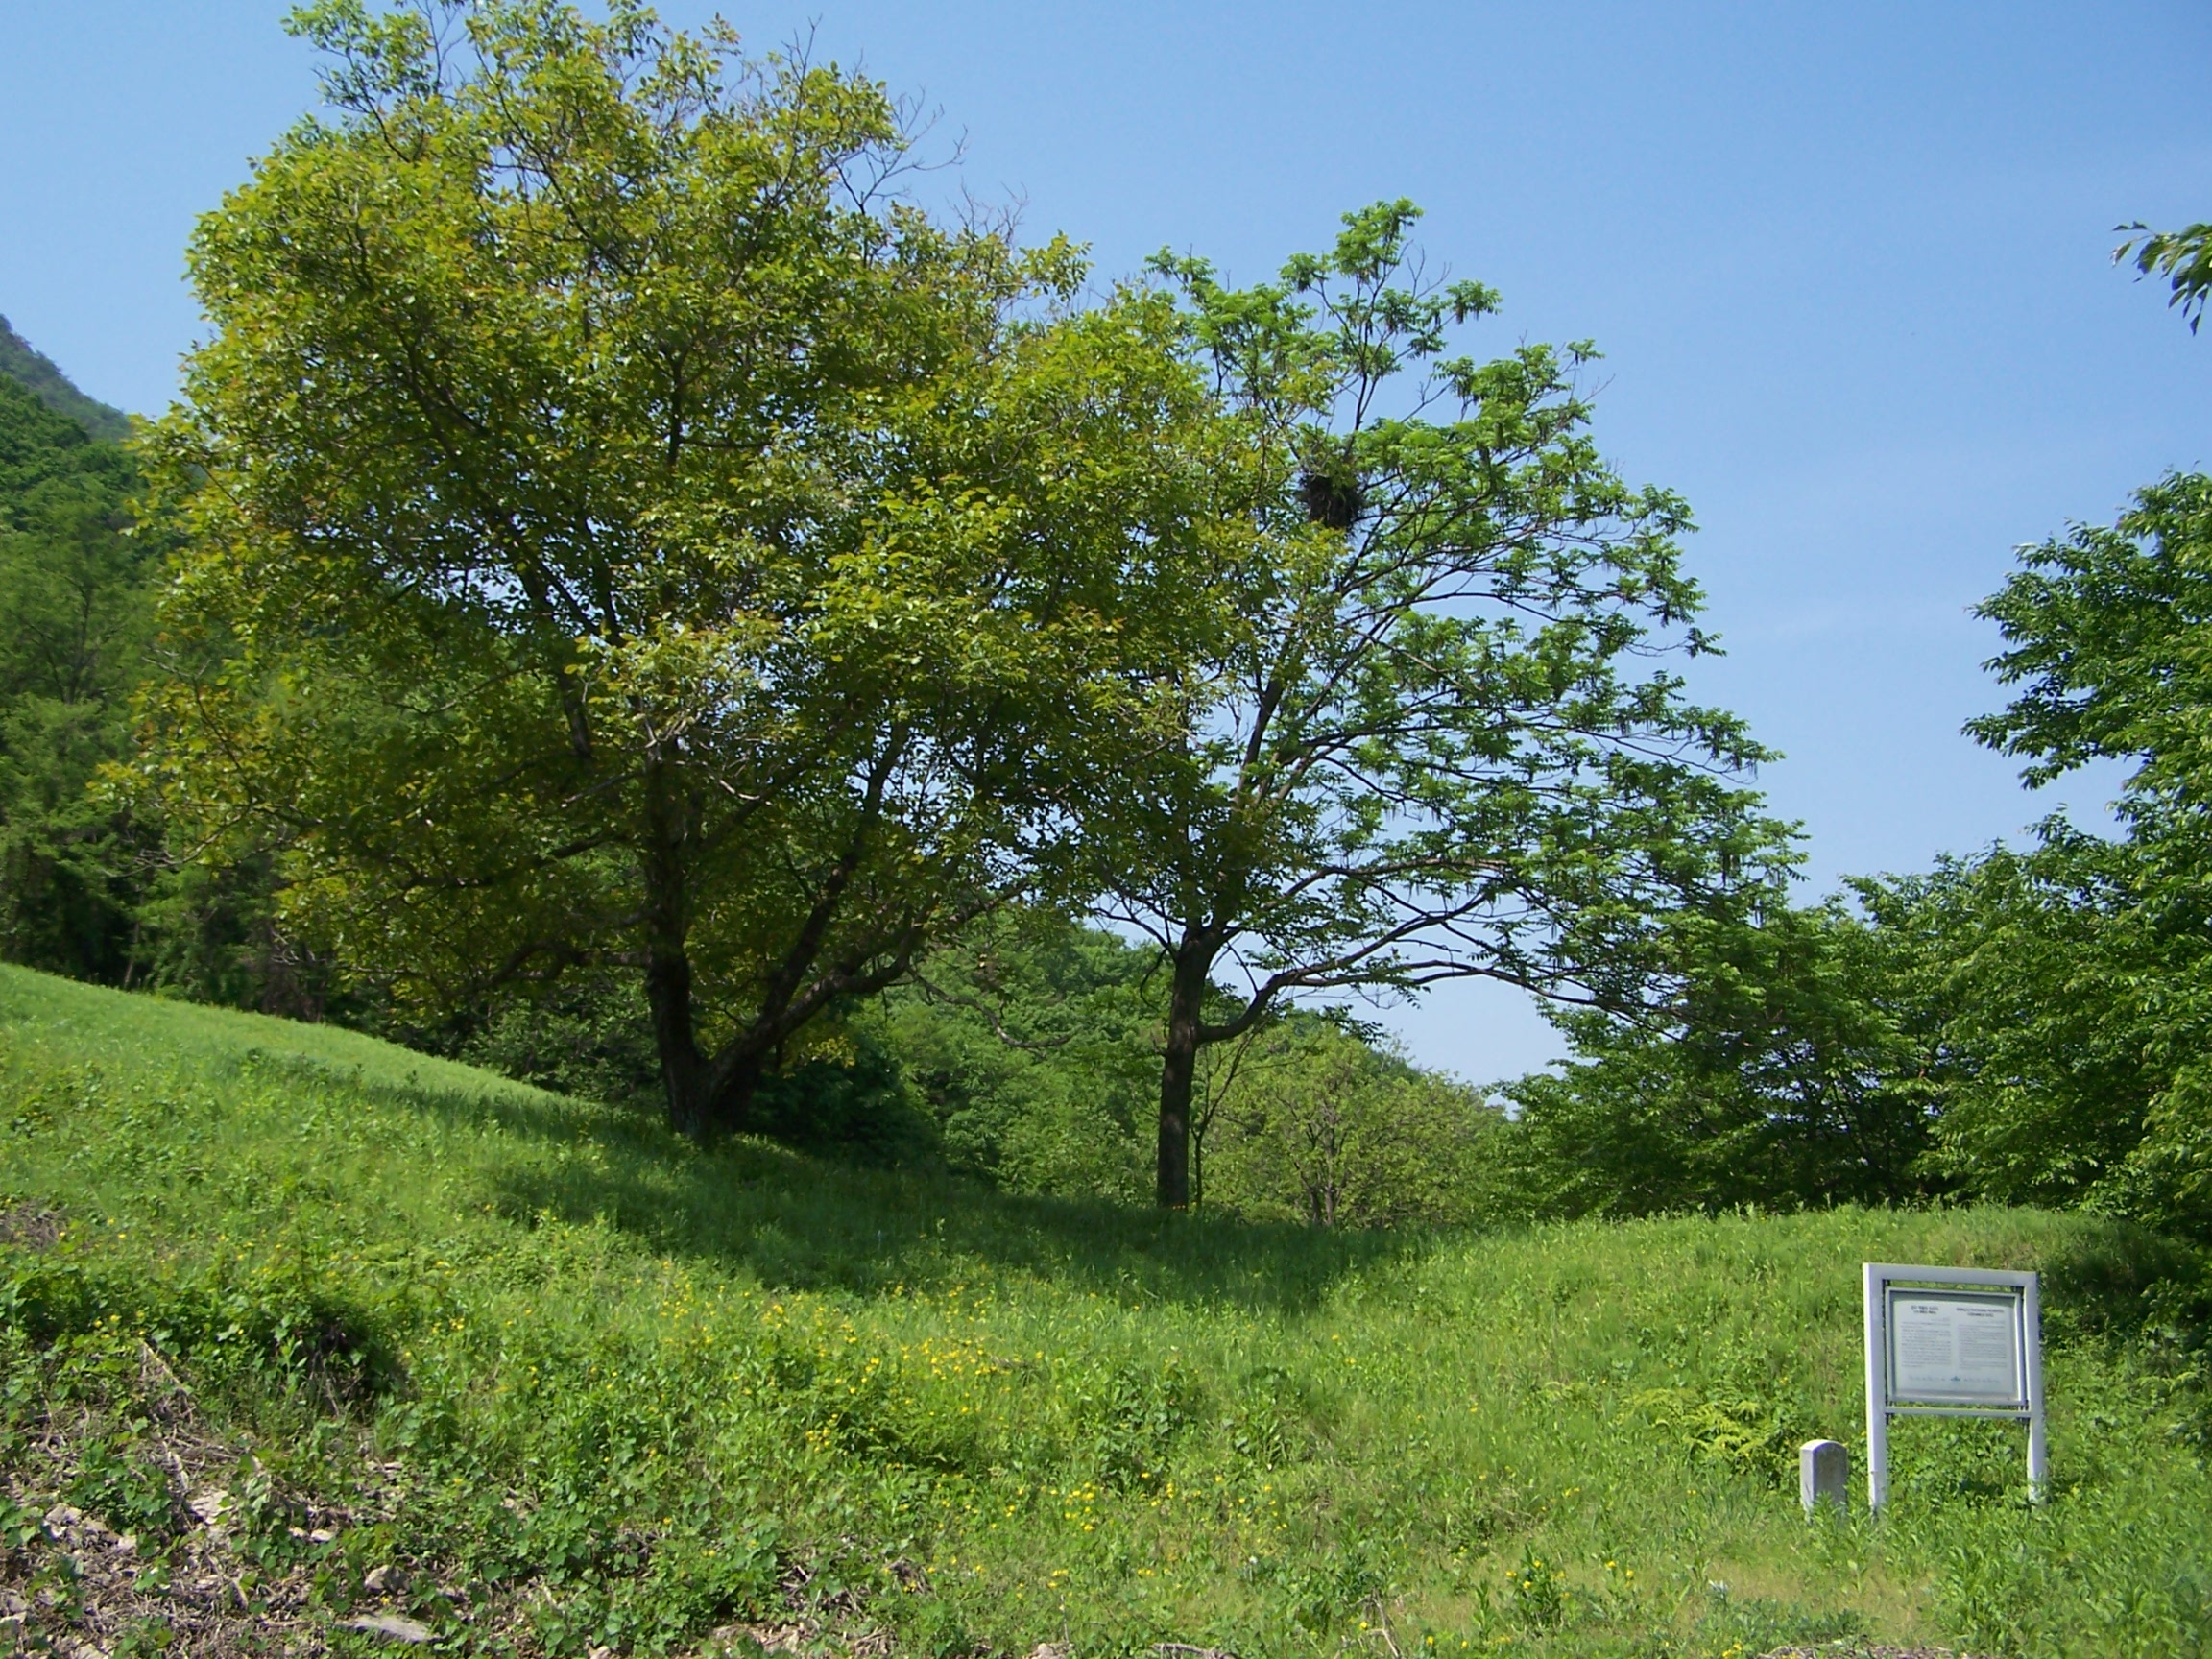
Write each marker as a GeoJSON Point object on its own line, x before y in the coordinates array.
{"type": "Point", "coordinates": [712, 1096]}
{"type": "Point", "coordinates": [707, 1099]}
{"type": "Point", "coordinates": [736, 1080]}
{"type": "Point", "coordinates": [1179, 1070]}
{"type": "Point", "coordinates": [685, 1075]}
{"type": "Point", "coordinates": [683, 1069]}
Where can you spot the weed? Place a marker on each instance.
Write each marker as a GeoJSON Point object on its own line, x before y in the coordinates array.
{"type": "Point", "coordinates": [1536, 1593]}
{"type": "Point", "coordinates": [1265, 1427]}
{"type": "Point", "coordinates": [128, 1492]}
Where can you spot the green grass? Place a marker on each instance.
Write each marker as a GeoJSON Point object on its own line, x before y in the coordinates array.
{"type": "Point", "coordinates": [607, 1390]}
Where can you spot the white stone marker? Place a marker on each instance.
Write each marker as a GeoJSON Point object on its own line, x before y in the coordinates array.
{"type": "Point", "coordinates": [1823, 1475]}
{"type": "Point", "coordinates": [1952, 1342]}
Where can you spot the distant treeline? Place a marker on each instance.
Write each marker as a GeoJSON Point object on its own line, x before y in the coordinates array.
{"type": "Point", "coordinates": [2032, 1024]}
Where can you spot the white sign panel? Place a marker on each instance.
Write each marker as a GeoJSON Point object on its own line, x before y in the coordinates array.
{"type": "Point", "coordinates": [1952, 1342]}
{"type": "Point", "coordinates": [1956, 1348]}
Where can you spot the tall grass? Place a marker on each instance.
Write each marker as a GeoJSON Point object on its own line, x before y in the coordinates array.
{"type": "Point", "coordinates": [626, 1391]}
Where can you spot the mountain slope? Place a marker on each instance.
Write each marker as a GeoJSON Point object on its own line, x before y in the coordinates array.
{"type": "Point", "coordinates": [44, 452]}
{"type": "Point", "coordinates": [345, 1333]}
{"type": "Point", "coordinates": [29, 367]}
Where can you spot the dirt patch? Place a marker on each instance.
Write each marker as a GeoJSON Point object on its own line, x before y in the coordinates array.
{"type": "Point", "coordinates": [129, 1522]}
{"type": "Point", "coordinates": [32, 1226]}
{"type": "Point", "coordinates": [104, 1545]}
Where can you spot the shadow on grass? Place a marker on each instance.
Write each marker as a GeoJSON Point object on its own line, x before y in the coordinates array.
{"type": "Point", "coordinates": [809, 1223]}
{"type": "Point", "coordinates": [2127, 1283]}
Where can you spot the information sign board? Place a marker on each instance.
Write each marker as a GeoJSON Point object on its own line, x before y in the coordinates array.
{"type": "Point", "coordinates": [1956, 1342]}
{"type": "Point", "coordinates": [1956, 1348]}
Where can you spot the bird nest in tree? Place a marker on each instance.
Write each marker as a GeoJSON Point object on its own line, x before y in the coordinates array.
{"type": "Point", "coordinates": [1332, 500]}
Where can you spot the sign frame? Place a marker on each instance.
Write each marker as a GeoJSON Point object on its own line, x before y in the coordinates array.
{"type": "Point", "coordinates": [1883, 1401]}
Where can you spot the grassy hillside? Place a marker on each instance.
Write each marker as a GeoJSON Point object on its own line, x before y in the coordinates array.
{"type": "Point", "coordinates": [338, 1332]}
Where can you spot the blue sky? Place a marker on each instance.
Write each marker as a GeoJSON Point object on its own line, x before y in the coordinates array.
{"type": "Point", "coordinates": [1849, 266]}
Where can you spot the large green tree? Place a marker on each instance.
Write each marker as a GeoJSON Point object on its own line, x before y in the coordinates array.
{"type": "Point", "coordinates": [2085, 963]}
{"type": "Point", "coordinates": [2056, 1024]}
{"type": "Point", "coordinates": [625, 533]}
{"type": "Point", "coordinates": [1437, 745]}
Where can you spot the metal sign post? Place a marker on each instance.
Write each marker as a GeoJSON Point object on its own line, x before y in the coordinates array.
{"type": "Point", "coordinates": [1952, 1342]}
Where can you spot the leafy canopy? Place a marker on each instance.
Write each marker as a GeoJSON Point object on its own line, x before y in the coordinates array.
{"type": "Point", "coordinates": [1436, 743]}
{"type": "Point", "coordinates": [2183, 258]}
{"type": "Point", "coordinates": [2108, 635]}
{"type": "Point", "coordinates": [624, 533]}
